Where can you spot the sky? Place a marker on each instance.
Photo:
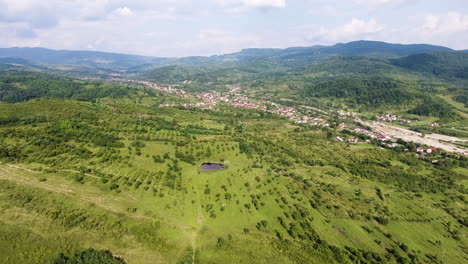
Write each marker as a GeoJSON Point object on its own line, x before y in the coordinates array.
{"type": "Point", "coordinates": [177, 28]}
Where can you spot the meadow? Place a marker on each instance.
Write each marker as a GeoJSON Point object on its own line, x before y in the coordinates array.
{"type": "Point", "coordinates": [122, 176]}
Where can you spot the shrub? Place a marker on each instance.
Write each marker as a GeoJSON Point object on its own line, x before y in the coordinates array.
{"type": "Point", "coordinates": [89, 256]}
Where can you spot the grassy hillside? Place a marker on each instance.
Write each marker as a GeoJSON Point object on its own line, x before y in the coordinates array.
{"type": "Point", "coordinates": [98, 171]}
{"type": "Point", "coordinates": [125, 177]}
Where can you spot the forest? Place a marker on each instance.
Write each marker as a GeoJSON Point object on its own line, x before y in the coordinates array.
{"type": "Point", "coordinates": [27, 86]}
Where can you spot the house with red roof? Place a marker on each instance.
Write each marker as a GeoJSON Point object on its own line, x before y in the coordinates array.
{"type": "Point", "coordinates": [429, 150]}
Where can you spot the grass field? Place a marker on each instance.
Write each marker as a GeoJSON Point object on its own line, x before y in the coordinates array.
{"type": "Point", "coordinates": [286, 196]}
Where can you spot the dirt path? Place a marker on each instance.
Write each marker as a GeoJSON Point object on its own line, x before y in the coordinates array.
{"type": "Point", "coordinates": [21, 168]}
{"type": "Point", "coordinates": [194, 245]}
{"type": "Point", "coordinates": [68, 170]}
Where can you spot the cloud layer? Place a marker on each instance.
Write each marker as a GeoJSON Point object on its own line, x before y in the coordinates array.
{"type": "Point", "coordinates": [254, 3]}
{"type": "Point", "coordinates": [188, 27]}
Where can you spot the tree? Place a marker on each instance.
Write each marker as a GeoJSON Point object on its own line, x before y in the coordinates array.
{"type": "Point", "coordinates": [89, 256]}
{"type": "Point", "coordinates": [245, 147]}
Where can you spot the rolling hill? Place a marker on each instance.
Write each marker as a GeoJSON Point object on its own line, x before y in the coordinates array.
{"type": "Point", "coordinates": [112, 171]}
{"type": "Point", "coordinates": [92, 177]}
{"type": "Point", "coordinates": [442, 64]}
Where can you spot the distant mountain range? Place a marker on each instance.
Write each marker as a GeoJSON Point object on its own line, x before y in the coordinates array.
{"type": "Point", "coordinates": [288, 57]}
{"type": "Point", "coordinates": [72, 57]}
{"type": "Point", "coordinates": [303, 55]}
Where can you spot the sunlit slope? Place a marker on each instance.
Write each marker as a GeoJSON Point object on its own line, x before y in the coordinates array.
{"type": "Point", "coordinates": [126, 177]}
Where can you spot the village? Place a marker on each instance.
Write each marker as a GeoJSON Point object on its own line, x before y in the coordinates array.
{"type": "Point", "coordinates": [236, 98]}
{"type": "Point", "coordinates": [390, 117]}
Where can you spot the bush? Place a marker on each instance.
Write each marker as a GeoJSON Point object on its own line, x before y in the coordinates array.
{"type": "Point", "coordinates": [89, 256]}
{"type": "Point", "coordinates": [382, 220]}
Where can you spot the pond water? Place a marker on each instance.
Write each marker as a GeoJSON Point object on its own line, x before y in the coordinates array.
{"type": "Point", "coordinates": [211, 166]}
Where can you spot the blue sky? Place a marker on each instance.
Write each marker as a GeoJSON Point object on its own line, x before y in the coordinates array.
{"type": "Point", "coordinates": [205, 27]}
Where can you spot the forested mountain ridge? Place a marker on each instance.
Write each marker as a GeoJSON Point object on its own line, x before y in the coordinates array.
{"type": "Point", "coordinates": [294, 55]}
{"type": "Point", "coordinates": [377, 47]}
{"type": "Point", "coordinates": [75, 57]}
{"type": "Point", "coordinates": [441, 64]}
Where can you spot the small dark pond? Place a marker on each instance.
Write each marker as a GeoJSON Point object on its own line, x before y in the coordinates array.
{"type": "Point", "coordinates": [211, 166]}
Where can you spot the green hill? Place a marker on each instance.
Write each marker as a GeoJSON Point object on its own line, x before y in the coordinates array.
{"type": "Point", "coordinates": [27, 86]}
{"type": "Point", "coordinates": [348, 65]}
{"type": "Point", "coordinates": [119, 180]}
{"type": "Point", "coordinates": [95, 171]}
{"type": "Point", "coordinates": [443, 64]}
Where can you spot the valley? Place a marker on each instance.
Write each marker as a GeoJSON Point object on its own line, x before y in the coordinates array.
{"type": "Point", "coordinates": [436, 140]}
{"type": "Point", "coordinates": [236, 98]}
{"type": "Point", "coordinates": [261, 156]}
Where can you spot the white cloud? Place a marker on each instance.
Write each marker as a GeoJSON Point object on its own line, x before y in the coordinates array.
{"type": "Point", "coordinates": [122, 11]}
{"type": "Point", "coordinates": [18, 35]}
{"type": "Point", "coordinates": [355, 29]}
{"type": "Point", "coordinates": [451, 22]}
{"type": "Point", "coordinates": [378, 2]}
{"type": "Point", "coordinates": [264, 3]}
{"type": "Point", "coordinates": [35, 13]}
{"type": "Point", "coordinates": [326, 10]}
{"type": "Point", "coordinates": [92, 9]}
{"type": "Point", "coordinates": [242, 5]}
{"type": "Point", "coordinates": [168, 14]}
{"type": "Point", "coordinates": [174, 27]}
{"type": "Point", "coordinates": [358, 26]}
{"type": "Point", "coordinates": [448, 29]}
{"type": "Point", "coordinates": [214, 41]}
